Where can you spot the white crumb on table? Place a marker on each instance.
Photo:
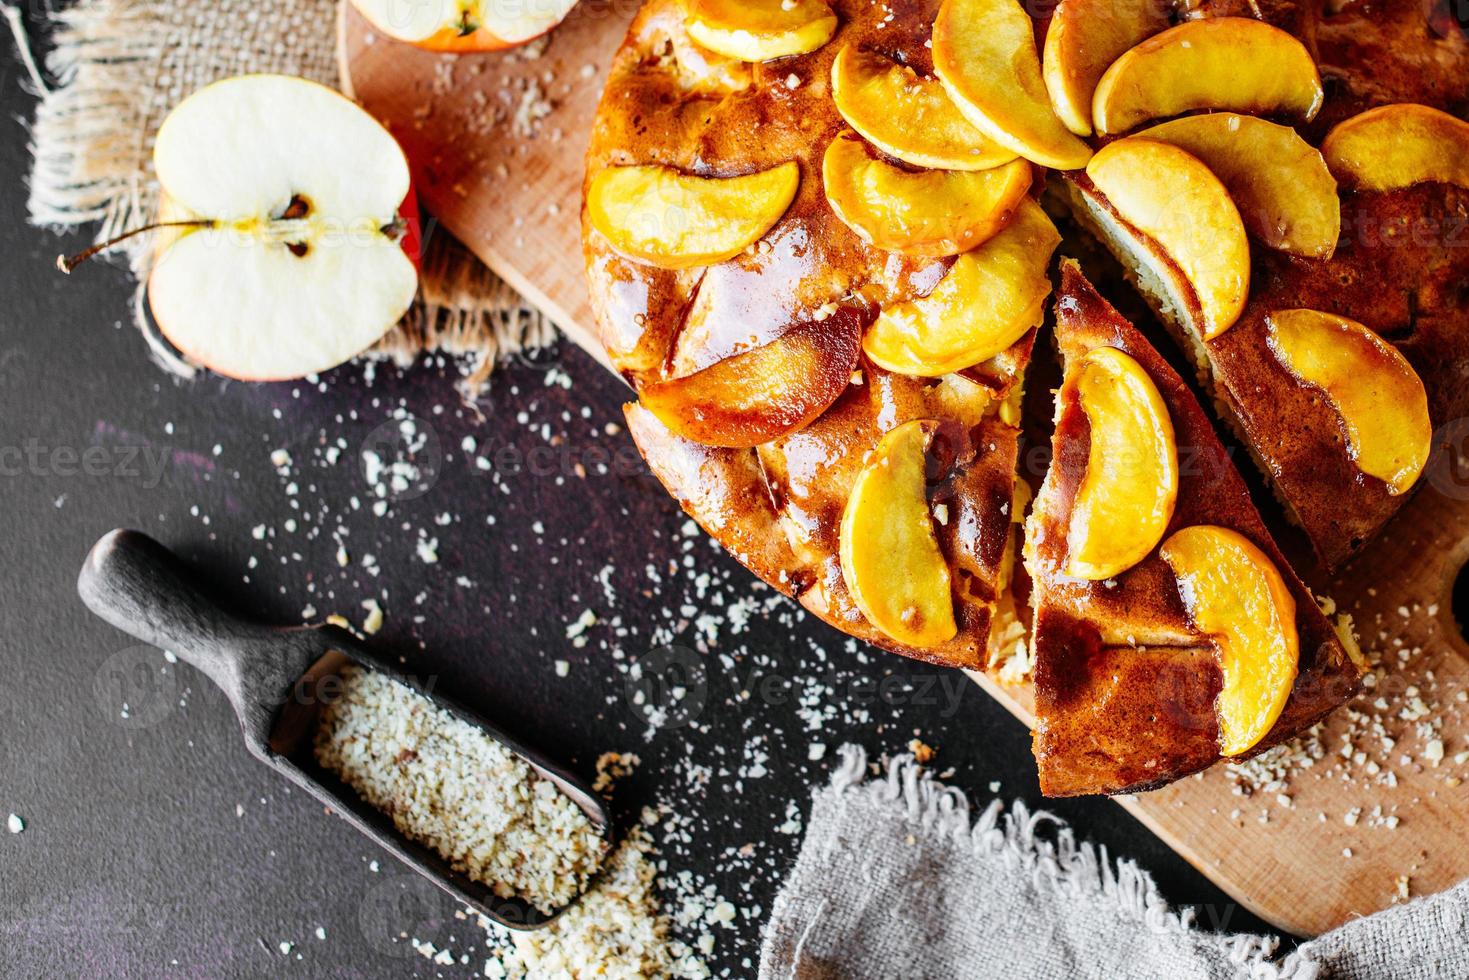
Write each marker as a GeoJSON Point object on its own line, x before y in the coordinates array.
{"type": "Point", "coordinates": [617, 930]}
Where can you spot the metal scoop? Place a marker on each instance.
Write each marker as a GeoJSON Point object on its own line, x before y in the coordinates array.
{"type": "Point", "coordinates": [274, 678]}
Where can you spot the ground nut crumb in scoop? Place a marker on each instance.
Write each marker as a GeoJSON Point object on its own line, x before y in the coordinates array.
{"type": "Point", "coordinates": [451, 787]}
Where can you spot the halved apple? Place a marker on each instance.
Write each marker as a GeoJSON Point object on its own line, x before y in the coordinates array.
{"type": "Point", "coordinates": [1399, 145]}
{"type": "Point", "coordinates": [906, 116]}
{"type": "Point", "coordinates": [1082, 41]}
{"type": "Point", "coordinates": [984, 52]}
{"type": "Point", "coordinates": [890, 556]}
{"type": "Point", "coordinates": [764, 393]}
{"type": "Point", "coordinates": [297, 259]}
{"type": "Point", "coordinates": [1126, 497]}
{"type": "Point", "coordinates": [1170, 196]}
{"type": "Point", "coordinates": [1234, 63]}
{"type": "Point", "coordinates": [1285, 194]}
{"type": "Point", "coordinates": [933, 212]}
{"type": "Point", "coordinates": [1234, 593]}
{"type": "Point", "coordinates": [760, 30]}
{"type": "Point", "coordinates": [674, 220]}
{"type": "Point", "coordinates": [986, 302]}
{"type": "Point", "coordinates": [463, 26]}
{"type": "Point", "coordinates": [1380, 398]}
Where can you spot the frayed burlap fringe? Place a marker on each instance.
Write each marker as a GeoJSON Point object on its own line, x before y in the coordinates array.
{"type": "Point", "coordinates": [899, 876]}
{"type": "Point", "coordinates": [467, 311]}
{"type": "Point", "coordinates": [1056, 861]}
{"type": "Point", "coordinates": [119, 66]}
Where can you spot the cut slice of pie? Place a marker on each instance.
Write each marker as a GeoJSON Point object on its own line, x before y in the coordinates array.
{"type": "Point", "coordinates": [1169, 631]}
{"type": "Point", "coordinates": [1339, 339]}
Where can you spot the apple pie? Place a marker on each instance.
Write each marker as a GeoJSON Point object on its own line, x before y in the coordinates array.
{"type": "Point", "coordinates": [815, 250]}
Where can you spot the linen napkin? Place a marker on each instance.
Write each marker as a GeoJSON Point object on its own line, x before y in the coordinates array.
{"type": "Point", "coordinates": [898, 877]}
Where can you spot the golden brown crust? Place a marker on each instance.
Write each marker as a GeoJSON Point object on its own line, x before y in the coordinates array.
{"type": "Point", "coordinates": [1125, 687]}
{"type": "Point", "coordinates": [1376, 52]}
{"type": "Point", "coordinates": [671, 103]}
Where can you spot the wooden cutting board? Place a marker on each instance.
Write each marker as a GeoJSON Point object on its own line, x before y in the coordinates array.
{"type": "Point", "coordinates": [497, 142]}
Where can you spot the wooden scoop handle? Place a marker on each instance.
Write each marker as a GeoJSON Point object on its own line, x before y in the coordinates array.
{"type": "Point", "coordinates": [145, 590]}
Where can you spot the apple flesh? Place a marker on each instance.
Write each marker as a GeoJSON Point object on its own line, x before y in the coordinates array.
{"type": "Point", "coordinates": [930, 213]}
{"type": "Point", "coordinates": [764, 393]}
{"type": "Point", "coordinates": [1285, 194]}
{"type": "Point", "coordinates": [1380, 398]}
{"type": "Point", "coordinates": [1234, 594]}
{"type": "Point", "coordinates": [1127, 495]}
{"type": "Point", "coordinates": [983, 305]}
{"type": "Point", "coordinates": [671, 220]}
{"type": "Point", "coordinates": [890, 556]}
{"type": "Point", "coordinates": [907, 116]}
{"type": "Point", "coordinates": [984, 52]}
{"type": "Point", "coordinates": [464, 26]}
{"type": "Point", "coordinates": [1235, 63]}
{"type": "Point", "coordinates": [760, 30]}
{"type": "Point", "coordinates": [300, 259]}
{"type": "Point", "coordinates": [1396, 146]}
{"type": "Point", "coordinates": [1189, 220]}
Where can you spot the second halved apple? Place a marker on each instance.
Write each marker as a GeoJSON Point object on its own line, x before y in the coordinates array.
{"type": "Point", "coordinates": [932, 212]}
{"type": "Point", "coordinates": [984, 304]}
{"type": "Point", "coordinates": [464, 26]}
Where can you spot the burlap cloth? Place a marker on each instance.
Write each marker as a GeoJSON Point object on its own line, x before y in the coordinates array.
{"type": "Point", "coordinates": [116, 68]}
{"type": "Point", "coordinates": [897, 877]}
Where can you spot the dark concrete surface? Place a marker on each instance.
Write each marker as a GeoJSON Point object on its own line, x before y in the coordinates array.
{"type": "Point", "coordinates": [153, 844]}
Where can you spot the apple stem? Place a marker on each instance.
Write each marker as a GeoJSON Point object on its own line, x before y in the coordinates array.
{"type": "Point", "coordinates": [395, 229]}
{"type": "Point", "coordinates": [67, 263]}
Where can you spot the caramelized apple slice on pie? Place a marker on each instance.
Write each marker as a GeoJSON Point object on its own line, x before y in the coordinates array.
{"type": "Point", "coordinates": [1233, 63]}
{"type": "Point", "coordinates": [1208, 645]}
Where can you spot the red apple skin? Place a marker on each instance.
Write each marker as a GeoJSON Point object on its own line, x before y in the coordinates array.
{"type": "Point", "coordinates": [413, 235]}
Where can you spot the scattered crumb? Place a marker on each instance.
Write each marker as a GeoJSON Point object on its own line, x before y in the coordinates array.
{"type": "Point", "coordinates": [374, 620]}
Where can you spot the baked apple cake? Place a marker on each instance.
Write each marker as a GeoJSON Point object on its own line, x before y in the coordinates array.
{"type": "Point", "coordinates": [1169, 630]}
{"type": "Point", "coordinates": [815, 249]}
